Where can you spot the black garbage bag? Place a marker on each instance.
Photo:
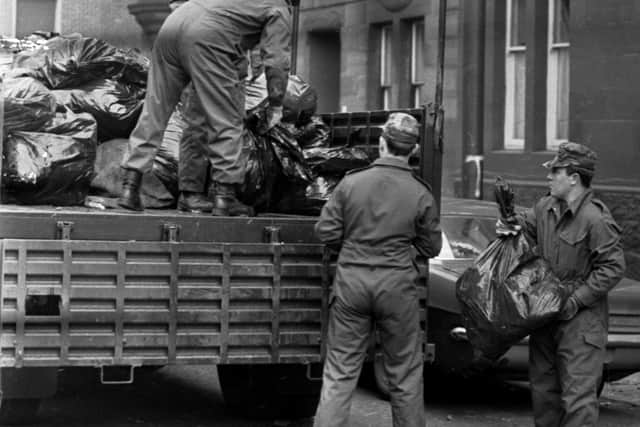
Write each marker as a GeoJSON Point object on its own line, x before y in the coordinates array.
{"type": "Point", "coordinates": [69, 62]}
{"type": "Point", "coordinates": [115, 105]}
{"type": "Point", "coordinates": [28, 104]}
{"type": "Point", "coordinates": [335, 160]}
{"type": "Point", "coordinates": [316, 133]}
{"type": "Point", "coordinates": [508, 293]}
{"type": "Point", "coordinates": [261, 173]}
{"type": "Point", "coordinates": [309, 199]}
{"type": "Point", "coordinates": [299, 102]}
{"type": "Point", "coordinates": [51, 168]}
{"type": "Point", "coordinates": [289, 155]}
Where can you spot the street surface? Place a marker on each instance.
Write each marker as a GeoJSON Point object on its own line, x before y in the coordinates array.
{"type": "Point", "coordinates": [190, 396]}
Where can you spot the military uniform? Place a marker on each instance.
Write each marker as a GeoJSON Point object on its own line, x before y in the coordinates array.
{"type": "Point", "coordinates": [376, 217]}
{"type": "Point", "coordinates": [205, 41]}
{"type": "Point", "coordinates": [582, 242]}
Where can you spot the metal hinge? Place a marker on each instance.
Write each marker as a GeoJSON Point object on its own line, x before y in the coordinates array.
{"type": "Point", "coordinates": [171, 232]}
{"type": "Point", "coordinates": [64, 229]}
{"type": "Point", "coordinates": [271, 234]}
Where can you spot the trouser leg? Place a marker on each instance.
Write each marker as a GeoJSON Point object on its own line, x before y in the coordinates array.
{"type": "Point", "coordinates": [348, 337]}
{"type": "Point", "coordinates": [165, 82]}
{"type": "Point", "coordinates": [543, 375]}
{"type": "Point", "coordinates": [581, 355]}
{"type": "Point", "coordinates": [401, 342]}
{"type": "Point", "coordinates": [193, 164]}
{"type": "Point", "coordinates": [220, 91]}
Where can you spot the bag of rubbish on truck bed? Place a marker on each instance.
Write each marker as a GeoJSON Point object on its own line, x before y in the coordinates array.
{"type": "Point", "coordinates": [69, 62]}
{"type": "Point", "coordinates": [28, 104]}
{"type": "Point", "coordinates": [261, 172]}
{"type": "Point", "coordinates": [54, 166]}
{"type": "Point", "coordinates": [116, 106]}
{"type": "Point", "coordinates": [507, 293]}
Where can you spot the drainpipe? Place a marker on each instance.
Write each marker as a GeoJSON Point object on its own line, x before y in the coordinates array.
{"type": "Point", "coordinates": [295, 4]}
{"type": "Point", "coordinates": [472, 97]}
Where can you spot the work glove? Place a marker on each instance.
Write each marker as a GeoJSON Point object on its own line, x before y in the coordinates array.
{"type": "Point", "coordinates": [508, 227]}
{"type": "Point", "coordinates": [571, 307]}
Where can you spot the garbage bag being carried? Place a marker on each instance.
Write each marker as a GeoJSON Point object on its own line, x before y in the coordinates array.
{"type": "Point", "coordinates": [298, 105]}
{"type": "Point", "coordinates": [28, 104]}
{"type": "Point", "coordinates": [508, 293]}
{"type": "Point", "coordinates": [54, 166]}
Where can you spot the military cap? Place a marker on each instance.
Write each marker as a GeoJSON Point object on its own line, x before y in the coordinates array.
{"type": "Point", "coordinates": [578, 156]}
{"type": "Point", "coordinates": [401, 128]}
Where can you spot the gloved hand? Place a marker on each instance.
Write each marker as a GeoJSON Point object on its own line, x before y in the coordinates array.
{"type": "Point", "coordinates": [571, 307]}
{"type": "Point", "coordinates": [508, 227]}
{"type": "Point", "coordinates": [273, 115]}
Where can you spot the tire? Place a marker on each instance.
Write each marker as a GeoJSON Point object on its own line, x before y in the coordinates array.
{"type": "Point", "coordinates": [269, 391]}
{"type": "Point", "coordinates": [19, 411]}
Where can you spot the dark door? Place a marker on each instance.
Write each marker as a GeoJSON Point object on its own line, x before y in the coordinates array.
{"type": "Point", "coordinates": [324, 75]}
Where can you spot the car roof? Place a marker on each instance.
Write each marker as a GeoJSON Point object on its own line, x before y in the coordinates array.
{"type": "Point", "coordinates": [452, 206]}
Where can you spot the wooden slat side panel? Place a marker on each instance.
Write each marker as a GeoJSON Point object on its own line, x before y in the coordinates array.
{"type": "Point", "coordinates": [161, 303]}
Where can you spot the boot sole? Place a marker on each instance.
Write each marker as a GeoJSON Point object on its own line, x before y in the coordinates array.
{"type": "Point", "coordinates": [129, 207]}
{"type": "Point", "coordinates": [220, 212]}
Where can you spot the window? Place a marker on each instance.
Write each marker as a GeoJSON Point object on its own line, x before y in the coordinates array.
{"type": "Point", "coordinates": [417, 62]}
{"type": "Point", "coordinates": [558, 74]}
{"type": "Point", "coordinates": [515, 76]}
{"type": "Point", "coordinates": [35, 15]}
{"type": "Point", "coordinates": [385, 67]}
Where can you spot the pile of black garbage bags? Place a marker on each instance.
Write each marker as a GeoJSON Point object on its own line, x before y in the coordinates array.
{"type": "Point", "coordinates": [70, 104]}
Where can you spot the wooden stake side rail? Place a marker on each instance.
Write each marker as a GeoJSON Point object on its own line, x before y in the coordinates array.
{"type": "Point", "coordinates": [96, 303]}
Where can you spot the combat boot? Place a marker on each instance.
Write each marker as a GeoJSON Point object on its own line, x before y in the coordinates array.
{"type": "Point", "coordinates": [194, 202]}
{"type": "Point", "coordinates": [130, 198]}
{"type": "Point", "coordinates": [225, 202]}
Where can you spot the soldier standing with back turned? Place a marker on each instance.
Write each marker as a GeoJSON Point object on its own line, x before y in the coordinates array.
{"type": "Point", "coordinates": [377, 218]}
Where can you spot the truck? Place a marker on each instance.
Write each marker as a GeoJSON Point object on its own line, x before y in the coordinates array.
{"type": "Point", "coordinates": [120, 291]}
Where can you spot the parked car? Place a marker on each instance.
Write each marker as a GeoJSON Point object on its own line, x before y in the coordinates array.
{"type": "Point", "coordinates": [468, 227]}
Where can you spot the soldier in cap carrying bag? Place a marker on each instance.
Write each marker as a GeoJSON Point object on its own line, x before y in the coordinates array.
{"type": "Point", "coordinates": [377, 218]}
{"type": "Point", "coordinates": [575, 232]}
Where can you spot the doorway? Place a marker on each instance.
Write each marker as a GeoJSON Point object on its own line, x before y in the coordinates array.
{"type": "Point", "coordinates": [324, 65]}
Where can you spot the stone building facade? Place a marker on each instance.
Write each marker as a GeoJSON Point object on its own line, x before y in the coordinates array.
{"type": "Point", "coordinates": [551, 70]}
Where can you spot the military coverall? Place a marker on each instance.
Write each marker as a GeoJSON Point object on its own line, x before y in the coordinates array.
{"type": "Point", "coordinates": [205, 41]}
{"type": "Point", "coordinates": [377, 216]}
{"type": "Point", "coordinates": [566, 358]}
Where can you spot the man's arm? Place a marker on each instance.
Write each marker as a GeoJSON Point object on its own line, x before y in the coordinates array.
{"type": "Point", "coordinates": [428, 240]}
{"type": "Point", "coordinates": [275, 45]}
{"type": "Point", "coordinates": [330, 226]}
{"type": "Point", "coordinates": [607, 259]}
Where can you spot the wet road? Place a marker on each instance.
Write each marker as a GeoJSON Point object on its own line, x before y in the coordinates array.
{"type": "Point", "coordinates": [180, 397]}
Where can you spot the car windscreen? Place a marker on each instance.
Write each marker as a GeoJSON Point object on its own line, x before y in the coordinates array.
{"type": "Point", "coordinates": [466, 237]}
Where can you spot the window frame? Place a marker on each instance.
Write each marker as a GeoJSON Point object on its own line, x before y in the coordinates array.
{"type": "Point", "coordinates": [416, 74]}
{"type": "Point", "coordinates": [385, 65]}
{"type": "Point", "coordinates": [511, 143]}
{"type": "Point", "coordinates": [552, 142]}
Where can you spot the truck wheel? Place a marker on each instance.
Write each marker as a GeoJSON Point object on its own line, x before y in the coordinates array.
{"type": "Point", "coordinates": [269, 391]}
{"type": "Point", "coordinates": [18, 411]}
